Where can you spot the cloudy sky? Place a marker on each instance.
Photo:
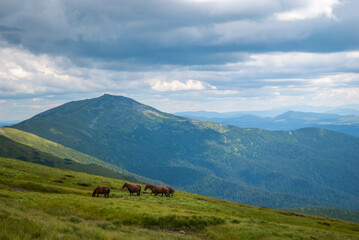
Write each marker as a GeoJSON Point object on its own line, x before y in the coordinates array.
{"type": "Point", "coordinates": [178, 55]}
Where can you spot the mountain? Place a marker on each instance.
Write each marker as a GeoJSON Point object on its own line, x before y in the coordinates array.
{"type": "Point", "coordinates": [287, 121]}
{"type": "Point", "coordinates": [306, 167]}
{"type": "Point", "coordinates": [39, 202]}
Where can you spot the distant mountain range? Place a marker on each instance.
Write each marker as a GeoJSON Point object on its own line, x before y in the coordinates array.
{"type": "Point", "coordinates": [8, 123]}
{"type": "Point", "coordinates": [305, 167]}
{"type": "Point", "coordinates": [287, 121]}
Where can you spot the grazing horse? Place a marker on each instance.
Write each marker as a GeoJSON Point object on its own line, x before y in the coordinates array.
{"type": "Point", "coordinates": [102, 190]}
{"type": "Point", "coordinates": [149, 186]}
{"type": "Point", "coordinates": [156, 190]}
{"type": "Point", "coordinates": [172, 191]}
{"type": "Point", "coordinates": [132, 188]}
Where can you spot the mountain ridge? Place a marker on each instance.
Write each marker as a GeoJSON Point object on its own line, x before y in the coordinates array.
{"type": "Point", "coordinates": [287, 121]}
{"type": "Point", "coordinates": [181, 151]}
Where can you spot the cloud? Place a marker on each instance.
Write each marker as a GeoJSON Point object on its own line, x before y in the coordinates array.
{"type": "Point", "coordinates": [175, 85]}
{"type": "Point", "coordinates": [309, 9]}
{"type": "Point", "coordinates": [298, 63]}
{"type": "Point", "coordinates": [219, 53]}
{"type": "Point", "coordinates": [23, 73]}
{"type": "Point", "coordinates": [176, 32]}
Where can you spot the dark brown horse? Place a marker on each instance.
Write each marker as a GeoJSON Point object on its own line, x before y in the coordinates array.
{"type": "Point", "coordinates": [172, 191]}
{"type": "Point", "coordinates": [102, 190]}
{"type": "Point", "coordinates": [156, 190]}
{"type": "Point", "coordinates": [132, 188]}
{"type": "Point", "coordinates": [150, 186]}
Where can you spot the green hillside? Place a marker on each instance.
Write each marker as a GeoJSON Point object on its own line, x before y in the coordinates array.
{"type": "Point", "coordinates": [346, 215]}
{"type": "Point", "coordinates": [38, 144]}
{"type": "Point", "coordinates": [12, 149]}
{"type": "Point", "coordinates": [277, 169]}
{"type": "Point", "coordinates": [39, 202]}
{"type": "Point", "coordinates": [63, 152]}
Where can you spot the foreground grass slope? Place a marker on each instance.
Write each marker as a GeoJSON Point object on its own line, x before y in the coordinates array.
{"type": "Point", "coordinates": [48, 203]}
{"type": "Point", "coordinates": [343, 214]}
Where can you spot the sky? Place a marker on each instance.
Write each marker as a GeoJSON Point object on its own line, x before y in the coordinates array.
{"type": "Point", "coordinates": [179, 55]}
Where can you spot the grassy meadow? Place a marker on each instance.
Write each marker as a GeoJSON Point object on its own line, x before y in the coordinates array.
{"type": "Point", "coordinates": [39, 202]}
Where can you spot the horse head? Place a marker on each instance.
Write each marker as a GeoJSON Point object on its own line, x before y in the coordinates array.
{"type": "Point", "coordinates": [125, 185]}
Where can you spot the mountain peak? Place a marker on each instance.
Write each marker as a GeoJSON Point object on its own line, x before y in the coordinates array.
{"type": "Point", "coordinates": [193, 154]}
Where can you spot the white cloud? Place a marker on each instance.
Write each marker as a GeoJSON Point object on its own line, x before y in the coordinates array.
{"type": "Point", "coordinates": [310, 9]}
{"type": "Point", "coordinates": [22, 72]}
{"type": "Point", "coordinates": [224, 92]}
{"type": "Point", "coordinates": [175, 85]}
{"type": "Point", "coordinates": [296, 62]}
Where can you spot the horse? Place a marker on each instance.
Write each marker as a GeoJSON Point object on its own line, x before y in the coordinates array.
{"type": "Point", "coordinates": [132, 188]}
{"type": "Point", "coordinates": [172, 191]}
{"type": "Point", "coordinates": [156, 190]}
{"type": "Point", "coordinates": [150, 186]}
{"type": "Point", "coordinates": [102, 190]}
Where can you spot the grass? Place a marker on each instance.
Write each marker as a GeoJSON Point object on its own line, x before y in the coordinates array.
{"type": "Point", "coordinates": [343, 214]}
{"type": "Point", "coordinates": [39, 202]}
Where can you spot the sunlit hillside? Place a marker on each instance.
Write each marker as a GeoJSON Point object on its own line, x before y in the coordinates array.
{"type": "Point", "coordinates": [39, 202]}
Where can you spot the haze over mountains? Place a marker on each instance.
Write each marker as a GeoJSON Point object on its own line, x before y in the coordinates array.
{"type": "Point", "coordinates": [305, 167]}
{"type": "Point", "coordinates": [288, 121]}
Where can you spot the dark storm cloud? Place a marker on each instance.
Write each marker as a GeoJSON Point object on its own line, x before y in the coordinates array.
{"type": "Point", "coordinates": [233, 53]}
{"type": "Point", "coordinates": [171, 32]}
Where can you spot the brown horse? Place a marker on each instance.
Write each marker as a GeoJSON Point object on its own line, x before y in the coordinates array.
{"type": "Point", "coordinates": [156, 190]}
{"type": "Point", "coordinates": [172, 191]}
{"type": "Point", "coordinates": [150, 186]}
{"type": "Point", "coordinates": [132, 188]}
{"type": "Point", "coordinates": [102, 190]}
